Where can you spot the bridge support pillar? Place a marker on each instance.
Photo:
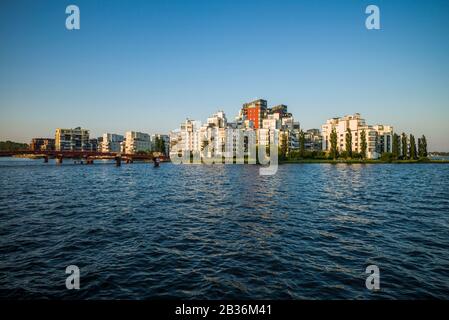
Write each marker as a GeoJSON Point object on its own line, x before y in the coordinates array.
{"type": "Point", "coordinates": [59, 160]}
{"type": "Point", "coordinates": [46, 159]}
{"type": "Point", "coordinates": [89, 161]}
{"type": "Point", "coordinates": [118, 161]}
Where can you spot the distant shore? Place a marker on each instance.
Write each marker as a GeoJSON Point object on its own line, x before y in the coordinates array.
{"type": "Point", "coordinates": [358, 161]}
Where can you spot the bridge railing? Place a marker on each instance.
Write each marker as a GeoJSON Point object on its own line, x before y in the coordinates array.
{"type": "Point", "coordinates": [78, 154]}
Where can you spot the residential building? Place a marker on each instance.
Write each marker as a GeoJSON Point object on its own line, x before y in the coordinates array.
{"type": "Point", "coordinates": [93, 145]}
{"type": "Point", "coordinates": [42, 144]}
{"type": "Point", "coordinates": [218, 136]}
{"type": "Point", "coordinates": [378, 138]}
{"type": "Point", "coordinates": [313, 140]}
{"type": "Point", "coordinates": [211, 136]}
{"type": "Point", "coordinates": [384, 138]}
{"type": "Point", "coordinates": [137, 142]}
{"type": "Point", "coordinates": [254, 120]}
{"type": "Point", "coordinates": [280, 109]}
{"type": "Point", "coordinates": [255, 112]}
{"type": "Point", "coordinates": [175, 143]}
{"type": "Point", "coordinates": [76, 139]}
{"type": "Point", "coordinates": [111, 142]}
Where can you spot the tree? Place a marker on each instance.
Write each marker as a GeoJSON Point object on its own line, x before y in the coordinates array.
{"type": "Point", "coordinates": [283, 149]}
{"type": "Point", "coordinates": [404, 144]}
{"type": "Point", "coordinates": [162, 145]}
{"type": "Point", "coordinates": [412, 149]}
{"type": "Point", "coordinates": [422, 147]}
{"type": "Point", "coordinates": [363, 144]}
{"type": "Point", "coordinates": [348, 139]}
{"type": "Point", "coordinates": [159, 145]}
{"type": "Point", "coordinates": [156, 144]}
{"type": "Point", "coordinates": [302, 144]}
{"type": "Point", "coordinates": [396, 150]}
{"type": "Point", "coordinates": [12, 146]}
{"type": "Point", "coordinates": [334, 140]}
{"type": "Point", "coordinates": [387, 157]}
{"type": "Point", "coordinates": [419, 145]}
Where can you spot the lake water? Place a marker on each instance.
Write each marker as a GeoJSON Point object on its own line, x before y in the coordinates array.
{"type": "Point", "coordinates": [139, 232]}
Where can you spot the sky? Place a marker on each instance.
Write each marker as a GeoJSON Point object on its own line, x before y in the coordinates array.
{"type": "Point", "coordinates": [148, 65]}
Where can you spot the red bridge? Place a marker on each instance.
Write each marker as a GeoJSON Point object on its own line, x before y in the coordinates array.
{"type": "Point", "coordinates": [88, 156]}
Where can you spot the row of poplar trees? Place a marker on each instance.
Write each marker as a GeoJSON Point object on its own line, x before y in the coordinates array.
{"type": "Point", "coordinates": [403, 148]}
{"type": "Point", "coordinates": [406, 147]}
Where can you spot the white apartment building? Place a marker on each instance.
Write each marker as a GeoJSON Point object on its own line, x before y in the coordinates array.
{"type": "Point", "coordinates": [313, 140]}
{"type": "Point", "coordinates": [217, 136]}
{"type": "Point", "coordinates": [287, 130]}
{"type": "Point", "coordinates": [111, 142]}
{"type": "Point", "coordinates": [212, 135]}
{"type": "Point", "coordinates": [218, 120]}
{"type": "Point", "coordinates": [213, 138]}
{"type": "Point", "coordinates": [175, 142]}
{"type": "Point", "coordinates": [378, 138]}
{"type": "Point", "coordinates": [136, 141]}
{"type": "Point", "coordinates": [270, 125]}
{"type": "Point", "coordinates": [384, 138]}
{"type": "Point", "coordinates": [291, 130]}
{"type": "Point", "coordinates": [272, 122]}
{"type": "Point", "coordinates": [185, 139]}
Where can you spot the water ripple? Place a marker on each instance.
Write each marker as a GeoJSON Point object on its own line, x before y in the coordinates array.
{"type": "Point", "coordinates": [210, 232]}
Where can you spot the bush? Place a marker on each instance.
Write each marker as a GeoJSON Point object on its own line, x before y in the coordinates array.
{"type": "Point", "coordinates": [357, 155]}
{"type": "Point", "coordinates": [344, 155]}
{"type": "Point", "coordinates": [387, 157]}
{"type": "Point", "coordinates": [319, 155]}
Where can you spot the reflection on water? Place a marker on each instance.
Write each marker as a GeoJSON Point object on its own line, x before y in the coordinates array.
{"type": "Point", "coordinates": [223, 231]}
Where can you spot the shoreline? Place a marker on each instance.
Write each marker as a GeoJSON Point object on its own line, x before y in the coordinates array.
{"type": "Point", "coordinates": [304, 161]}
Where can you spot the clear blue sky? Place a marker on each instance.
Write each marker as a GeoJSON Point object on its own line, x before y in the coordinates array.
{"type": "Point", "coordinates": [147, 65]}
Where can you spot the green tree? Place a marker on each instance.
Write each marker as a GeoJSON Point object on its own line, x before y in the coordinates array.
{"type": "Point", "coordinates": [162, 145]}
{"type": "Point", "coordinates": [396, 146]}
{"type": "Point", "coordinates": [422, 147]}
{"type": "Point", "coordinates": [419, 145]}
{"type": "Point", "coordinates": [283, 149]}
{"type": "Point", "coordinates": [387, 157]}
{"type": "Point", "coordinates": [159, 145]}
{"type": "Point", "coordinates": [302, 144]}
{"type": "Point", "coordinates": [404, 144]}
{"type": "Point", "coordinates": [12, 146]}
{"type": "Point", "coordinates": [363, 144]}
{"type": "Point", "coordinates": [412, 149]}
{"type": "Point", "coordinates": [334, 140]}
{"type": "Point", "coordinates": [156, 144]}
{"type": "Point", "coordinates": [348, 139]}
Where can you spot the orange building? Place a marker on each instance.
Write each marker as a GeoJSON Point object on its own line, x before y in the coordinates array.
{"type": "Point", "coordinates": [255, 111]}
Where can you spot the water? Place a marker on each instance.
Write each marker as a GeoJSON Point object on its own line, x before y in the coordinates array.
{"type": "Point", "coordinates": [138, 232]}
